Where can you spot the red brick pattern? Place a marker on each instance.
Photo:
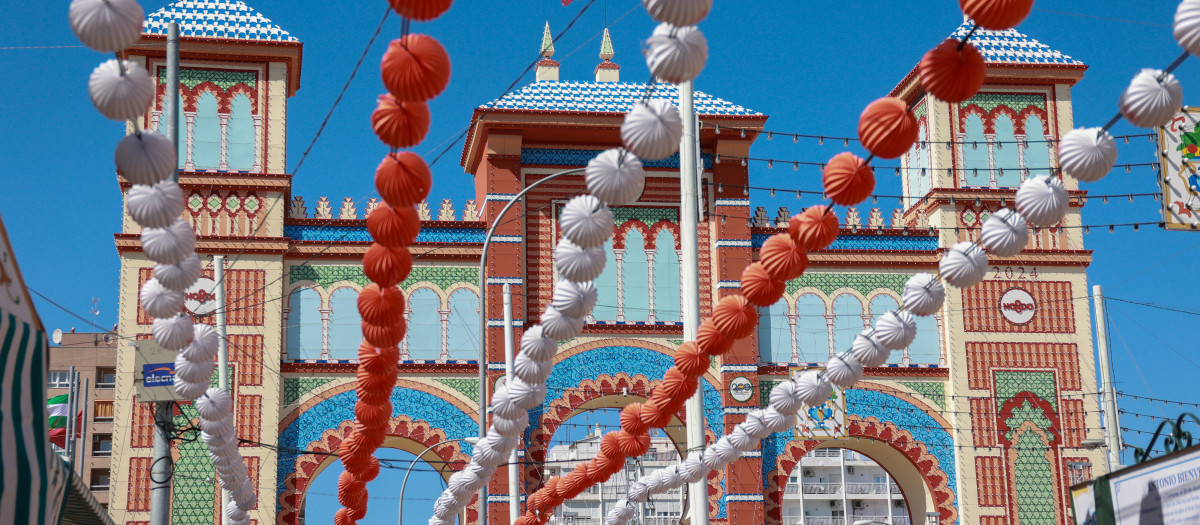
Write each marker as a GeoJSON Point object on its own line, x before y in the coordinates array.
{"type": "Point", "coordinates": [1055, 307]}
{"type": "Point", "coordinates": [246, 351]}
{"type": "Point", "coordinates": [252, 464]}
{"type": "Point", "coordinates": [994, 520]}
{"type": "Point", "coordinates": [144, 274]}
{"type": "Point", "coordinates": [249, 417]}
{"type": "Point", "coordinates": [983, 357]}
{"type": "Point", "coordinates": [139, 485]}
{"type": "Point", "coordinates": [983, 421]}
{"type": "Point", "coordinates": [141, 428]}
{"type": "Point", "coordinates": [993, 483]}
{"type": "Point", "coordinates": [1071, 413]}
{"type": "Point", "coordinates": [244, 289]}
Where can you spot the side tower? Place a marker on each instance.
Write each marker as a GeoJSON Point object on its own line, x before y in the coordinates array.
{"type": "Point", "coordinates": [238, 70]}
{"type": "Point", "coordinates": [1019, 345]}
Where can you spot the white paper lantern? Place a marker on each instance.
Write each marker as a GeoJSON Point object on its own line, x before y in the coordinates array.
{"type": "Point", "coordinates": [484, 454]}
{"type": "Point", "coordinates": [179, 276]}
{"type": "Point", "coordinates": [678, 12]}
{"type": "Point", "coordinates": [155, 206]}
{"type": "Point", "coordinates": [964, 265]}
{"type": "Point", "coordinates": [500, 441]}
{"type": "Point", "coordinates": [692, 469]}
{"type": "Point", "coordinates": [146, 157]}
{"type": "Point", "coordinates": [217, 426]}
{"type": "Point", "coordinates": [783, 398]}
{"type": "Point", "coordinates": [503, 405]}
{"type": "Point", "coordinates": [777, 421]}
{"type": "Point", "coordinates": [638, 492]}
{"type": "Point", "coordinates": [204, 344]}
{"type": "Point", "coordinates": [531, 371]}
{"type": "Point", "coordinates": [868, 350]}
{"type": "Point", "coordinates": [221, 460]}
{"type": "Point", "coordinates": [896, 330]}
{"type": "Point", "coordinates": [559, 326]}
{"type": "Point", "coordinates": [576, 263]}
{"type": "Point", "coordinates": [574, 299]}
{"type": "Point", "coordinates": [121, 97]}
{"type": "Point", "coordinates": [173, 333]}
{"type": "Point", "coordinates": [106, 25]}
{"type": "Point", "coordinates": [1087, 153]}
{"type": "Point", "coordinates": [754, 425]}
{"type": "Point", "coordinates": [1187, 26]}
{"type": "Point", "coordinates": [1005, 233]}
{"type": "Point", "coordinates": [624, 509]}
{"type": "Point", "coordinates": [537, 346]}
{"type": "Point", "coordinates": [233, 512]}
{"type": "Point", "coordinates": [215, 404]}
{"type": "Point", "coordinates": [525, 395]}
{"type": "Point", "coordinates": [923, 294]}
{"type": "Point", "coordinates": [1042, 200]}
{"type": "Point", "coordinates": [843, 371]}
{"type": "Point", "coordinates": [194, 372]}
{"type": "Point", "coordinates": [725, 451]}
{"type": "Point", "coordinates": [586, 220]}
{"type": "Point", "coordinates": [245, 497]}
{"type": "Point", "coordinates": [227, 448]}
{"type": "Point", "coordinates": [170, 245]}
{"type": "Point", "coordinates": [214, 440]}
{"type": "Point", "coordinates": [711, 460]}
{"type": "Point", "coordinates": [742, 440]}
{"type": "Point", "coordinates": [615, 176]}
{"type": "Point", "coordinates": [1149, 102]}
{"type": "Point", "coordinates": [188, 390]}
{"type": "Point", "coordinates": [676, 54]}
{"type": "Point", "coordinates": [158, 301]}
{"type": "Point", "coordinates": [812, 388]}
{"type": "Point", "coordinates": [456, 482]}
{"type": "Point", "coordinates": [654, 483]}
{"type": "Point", "coordinates": [510, 427]}
{"type": "Point", "coordinates": [652, 130]}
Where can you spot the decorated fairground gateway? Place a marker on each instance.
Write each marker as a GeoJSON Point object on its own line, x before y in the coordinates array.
{"type": "Point", "coordinates": [975, 421]}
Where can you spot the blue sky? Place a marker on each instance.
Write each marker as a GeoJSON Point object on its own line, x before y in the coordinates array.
{"type": "Point", "coordinates": [811, 66]}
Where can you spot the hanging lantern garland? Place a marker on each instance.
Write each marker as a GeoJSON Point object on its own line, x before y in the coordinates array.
{"type": "Point", "coordinates": [124, 91]}
{"type": "Point", "coordinates": [414, 69]}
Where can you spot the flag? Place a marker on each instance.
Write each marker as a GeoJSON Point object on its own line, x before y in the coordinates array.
{"type": "Point", "coordinates": [57, 408]}
{"type": "Point", "coordinates": [567, 2]}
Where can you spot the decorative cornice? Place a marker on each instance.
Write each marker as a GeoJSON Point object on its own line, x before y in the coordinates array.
{"type": "Point", "coordinates": [882, 371]}
{"type": "Point", "coordinates": [405, 368]}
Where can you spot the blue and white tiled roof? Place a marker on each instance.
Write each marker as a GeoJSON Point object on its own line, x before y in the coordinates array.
{"type": "Point", "coordinates": [216, 19]}
{"type": "Point", "coordinates": [1012, 47]}
{"type": "Point", "coordinates": [596, 97]}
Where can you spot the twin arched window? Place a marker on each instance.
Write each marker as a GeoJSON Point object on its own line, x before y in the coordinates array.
{"type": "Point", "coordinates": [216, 140]}
{"type": "Point", "coordinates": [999, 154]}
{"type": "Point", "coordinates": [640, 283]}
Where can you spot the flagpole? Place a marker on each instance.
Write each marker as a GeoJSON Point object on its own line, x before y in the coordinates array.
{"type": "Point", "coordinates": [83, 406]}
{"type": "Point", "coordinates": [69, 439]}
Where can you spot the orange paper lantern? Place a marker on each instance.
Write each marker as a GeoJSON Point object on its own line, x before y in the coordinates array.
{"type": "Point", "coordinates": [353, 453]}
{"type": "Point", "coordinates": [814, 228]}
{"type": "Point", "coordinates": [608, 464]}
{"type": "Point", "coordinates": [521, 520]}
{"type": "Point", "coordinates": [952, 71]}
{"type": "Point", "coordinates": [375, 387]}
{"type": "Point", "coordinates": [403, 180]}
{"type": "Point", "coordinates": [848, 179]}
{"type": "Point", "coordinates": [631, 421]}
{"type": "Point", "coordinates": [394, 227]}
{"type": "Point", "coordinates": [574, 484]}
{"type": "Point", "coordinates": [377, 360]}
{"type": "Point", "coordinates": [997, 15]}
{"type": "Point", "coordinates": [735, 317]}
{"type": "Point", "coordinates": [351, 491]}
{"type": "Point", "coordinates": [710, 340]}
{"type": "Point", "coordinates": [373, 414]}
{"type": "Point", "coordinates": [653, 416]}
{"type": "Point", "coordinates": [381, 305]}
{"type": "Point", "coordinates": [677, 386]}
{"type": "Point", "coordinates": [385, 334]}
{"type": "Point", "coordinates": [782, 257]}
{"type": "Point", "coordinates": [608, 443]}
{"type": "Point", "coordinates": [689, 359]}
{"type": "Point", "coordinates": [385, 266]}
{"type": "Point", "coordinates": [400, 124]}
{"type": "Point", "coordinates": [371, 436]}
{"type": "Point", "coordinates": [422, 10]}
{"type": "Point", "coordinates": [887, 128]}
{"type": "Point", "coordinates": [415, 68]}
{"type": "Point", "coordinates": [633, 445]}
{"type": "Point", "coordinates": [759, 287]}
{"type": "Point", "coordinates": [342, 517]}
{"type": "Point", "coordinates": [371, 471]}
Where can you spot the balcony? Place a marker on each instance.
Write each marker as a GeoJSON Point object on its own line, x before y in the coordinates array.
{"type": "Point", "coordinates": [872, 488]}
{"type": "Point", "coordinates": [827, 520]}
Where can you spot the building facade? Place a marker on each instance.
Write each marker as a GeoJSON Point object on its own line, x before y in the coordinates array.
{"type": "Point", "coordinates": [975, 422]}
{"type": "Point", "coordinates": [94, 357]}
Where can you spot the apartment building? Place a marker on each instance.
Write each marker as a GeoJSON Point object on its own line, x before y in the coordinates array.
{"type": "Point", "coordinates": [833, 486]}
{"type": "Point", "coordinates": [94, 356]}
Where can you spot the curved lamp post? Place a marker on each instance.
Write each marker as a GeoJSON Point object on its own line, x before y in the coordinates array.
{"type": "Point", "coordinates": [471, 440]}
{"type": "Point", "coordinates": [483, 403]}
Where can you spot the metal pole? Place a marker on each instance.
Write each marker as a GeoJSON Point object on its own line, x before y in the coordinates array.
{"type": "Point", "coordinates": [222, 349]}
{"type": "Point", "coordinates": [69, 441]}
{"type": "Point", "coordinates": [160, 468]}
{"type": "Point", "coordinates": [83, 407]}
{"type": "Point", "coordinates": [514, 492]}
{"type": "Point", "coordinates": [689, 270]}
{"type": "Point", "coordinates": [1108, 396]}
{"type": "Point", "coordinates": [487, 240]}
{"type": "Point", "coordinates": [403, 483]}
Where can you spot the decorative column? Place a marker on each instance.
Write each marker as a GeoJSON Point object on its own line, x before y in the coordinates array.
{"type": "Point", "coordinates": [283, 339]}
{"type": "Point", "coordinates": [679, 257]}
{"type": "Point", "coordinates": [941, 347]}
{"type": "Point", "coordinates": [991, 149]}
{"type": "Point", "coordinates": [223, 165]}
{"type": "Point", "coordinates": [258, 147]}
{"type": "Point", "coordinates": [619, 259]}
{"type": "Point", "coordinates": [653, 315]}
{"type": "Point", "coordinates": [155, 116]}
{"type": "Point", "coordinates": [190, 119]}
{"type": "Point", "coordinates": [1021, 145]}
{"type": "Point", "coordinates": [445, 349]}
{"type": "Point", "coordinates": [829, 332]}
{"type": "Point", "coordinates": [325, 332]}
{"type": "Point", "coordinates": [404, 342]}
{"type": "Point", "coordinates": [792, 318]}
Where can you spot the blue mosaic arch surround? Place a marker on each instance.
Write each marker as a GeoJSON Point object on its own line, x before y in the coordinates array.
{"type": "Point", "coordinates": [315, 232]}
{"type": "Point", "coordinates": [868, 242]}
{"type": "Point", "coordinates": [866, 403]}
{"type": "Point", "coordinates": [632, 360]}
{"type": "Point", "coordinates": [331, 412]}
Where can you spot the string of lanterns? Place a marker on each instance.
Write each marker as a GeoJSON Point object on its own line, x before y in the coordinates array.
{"type": "Point", "coordinates": [414, 69]}
{"type": "Point", "coordinates": [124, 91]}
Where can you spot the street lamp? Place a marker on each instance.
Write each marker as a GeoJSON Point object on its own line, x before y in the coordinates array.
{"type": "Point", "coordinates": [472, 440]}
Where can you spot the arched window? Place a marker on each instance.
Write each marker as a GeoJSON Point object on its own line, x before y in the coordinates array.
{"type": "Point", "coordinates": [774, 334]}
{"type": "Point", "coordinates": [635, 287]}
{"type": "Point", "coordinates": [920, 167]}
{"type": "Point", "coordinates": [424, 325]}
{"type": "Point", "coordinates": [240, 138]}
{"type": "Point", "coordinates": [975, 153]}
{"type": "Point", "coordinates": [206, 133]}
{"type": "Point", "coordinates": [926, 348]}
{"type": "Point", "coordinates": [882, 304]}
{"type": "Point", "coordinates": [162, 127]}
{"type": "Point", "coordinates": [666, 278]}
{"type": "Point", "coordinates": [812, 333]}
{"type": "Point", "coordinates": [847, 321]}
{"type": "Point", "coordinates": [1037, 150]}
{"type": "Point", "coordinates": [1006, 154]}
{"type": "Point", "coordinates": [462, 337]}
{"type": "Point", "coordinates": [304, 324]}
{"type": "Point", "coordinates": [606, 287]}
{"type": "Point", "coordinates": [345, 324]}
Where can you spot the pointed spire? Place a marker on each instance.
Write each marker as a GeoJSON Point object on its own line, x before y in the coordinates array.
{"type": "Point", "coordinates": [547, 42]}
{"type": "Point", "coordinates": [607, 71]}
{"type": "Point", "coordinates": [606, 47]}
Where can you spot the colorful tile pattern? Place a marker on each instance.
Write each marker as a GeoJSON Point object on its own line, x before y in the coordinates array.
{"type": "Point", "coordinates": [580, 157]}
{"type": "Point", "coordinates": [868, 242]}
{"type": "Point", "coordinates": [1012, 47]}
{"type": "Point", "coordinates": [605, 97]}
{"type": "Point", "coordinates": [864, 283]}
{"type": "Point", "coordinates": [313, 232]}
{"type": "Point", "coordinates": [216, 19]}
